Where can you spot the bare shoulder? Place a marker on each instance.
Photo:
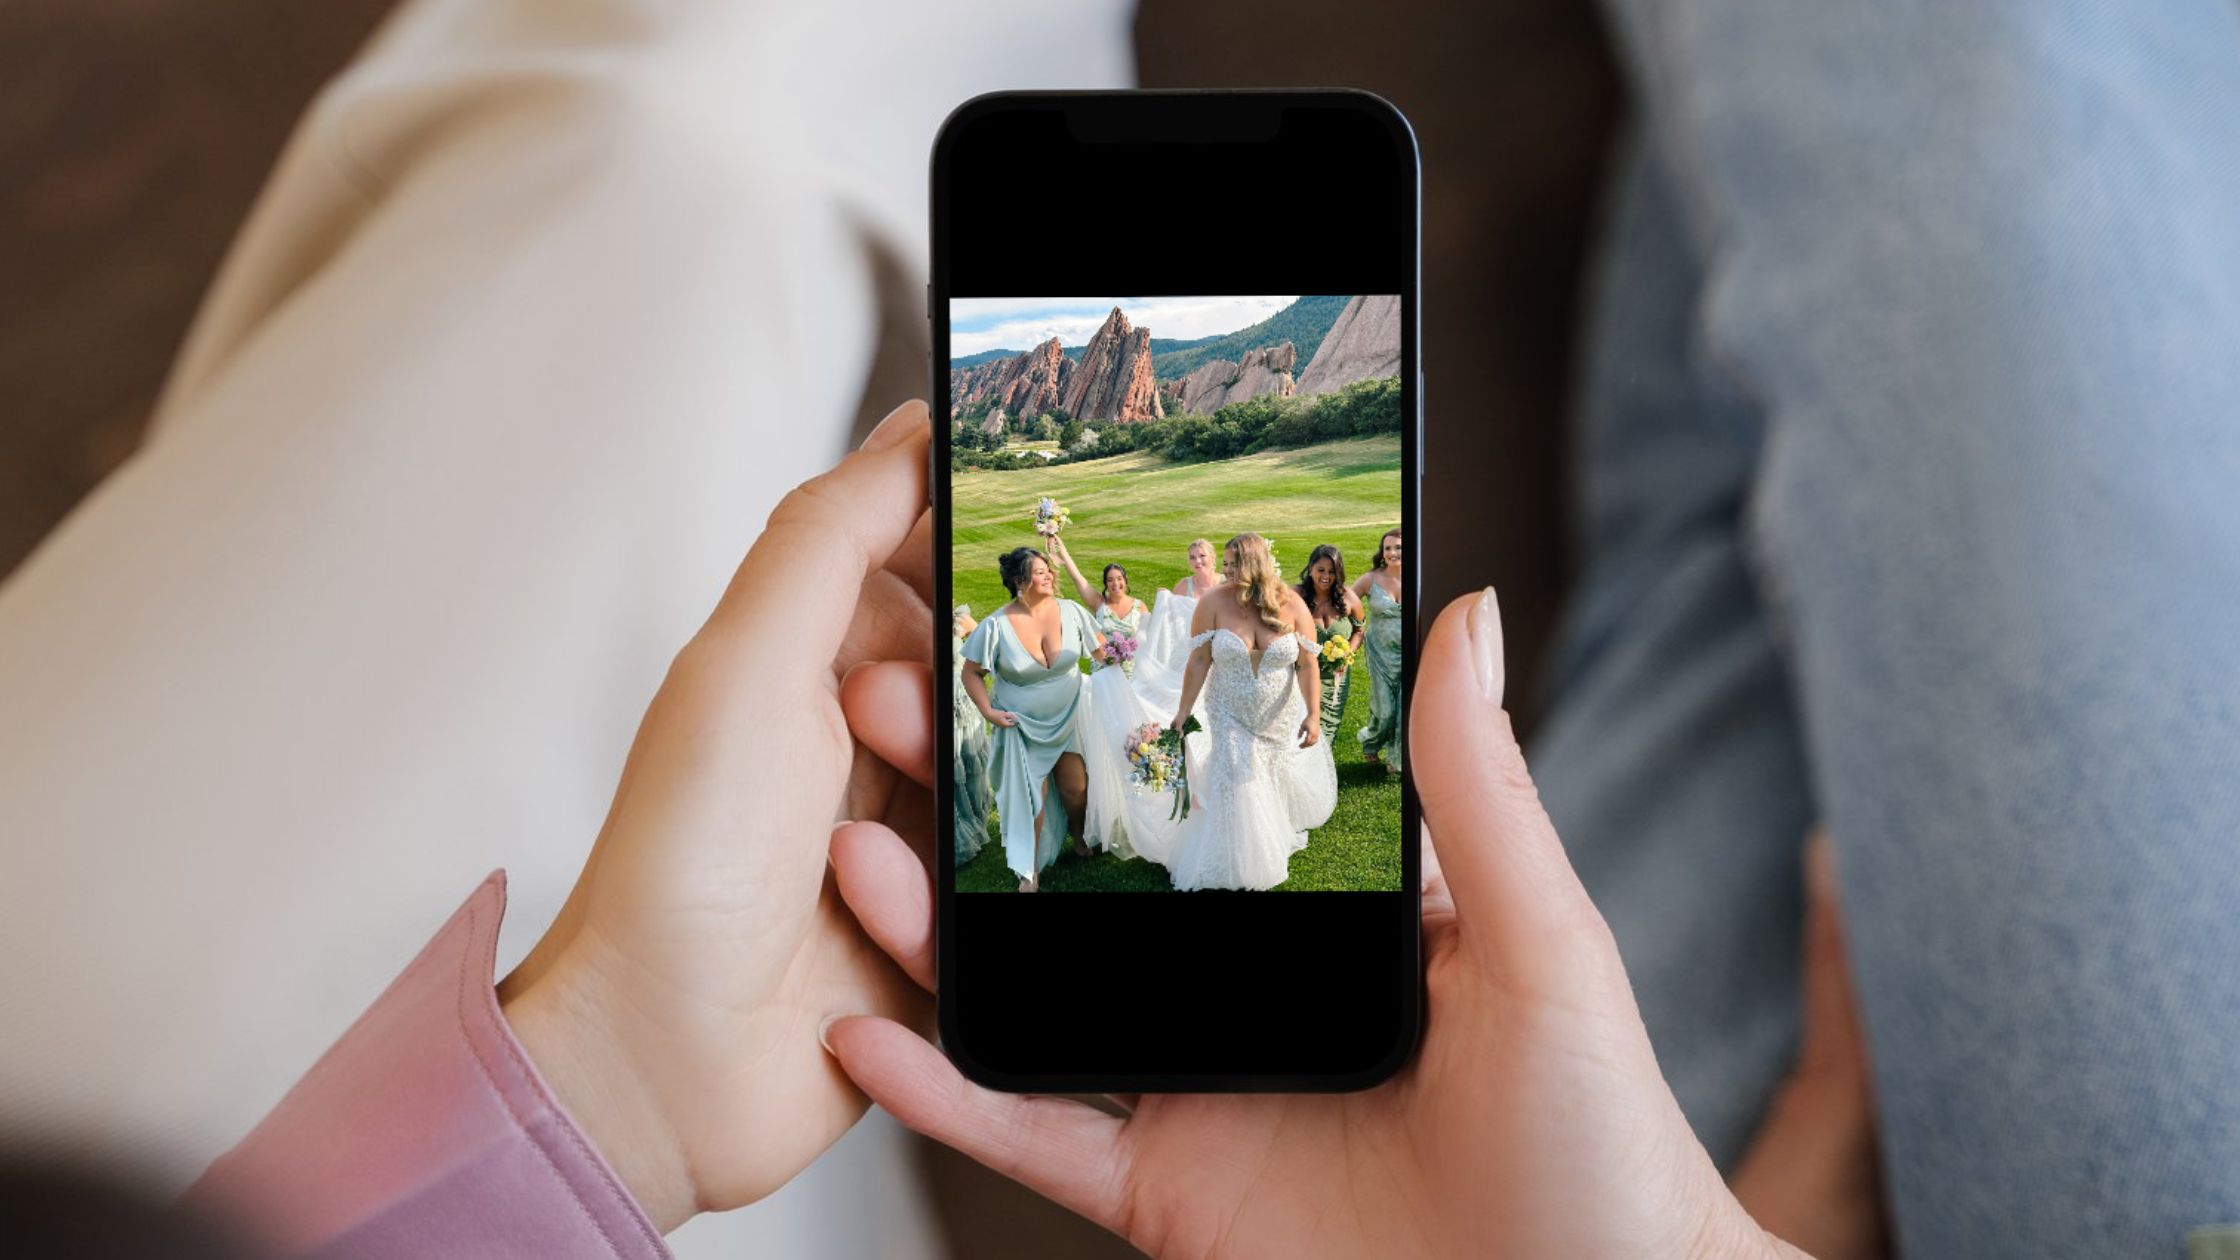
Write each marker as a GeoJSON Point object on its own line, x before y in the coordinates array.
{"type": "Point", "coordinates": [1205, 616]}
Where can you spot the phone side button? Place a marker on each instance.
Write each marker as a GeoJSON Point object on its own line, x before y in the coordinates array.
{"type": "Point", "coordinates": [1423, 428]}
{"type": "Point", "coordinates": [929, 474]}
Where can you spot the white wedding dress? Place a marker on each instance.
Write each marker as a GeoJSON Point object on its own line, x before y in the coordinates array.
{"type": "Point", "coordinates": [1255, 793]}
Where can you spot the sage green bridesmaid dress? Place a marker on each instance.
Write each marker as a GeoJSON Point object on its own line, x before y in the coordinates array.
{"type": "Point", "coordinates": [973, 797]}
{"type": "Point", "coordinates": [1337, 683]}
{"type": "Point", "coordinates": [1048, 700]}
{"type": "Point", "coordinates": [1381, 644]}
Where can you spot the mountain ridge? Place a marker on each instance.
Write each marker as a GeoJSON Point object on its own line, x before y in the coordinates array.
{"type": "Point", "coordinates": [1304, 324]}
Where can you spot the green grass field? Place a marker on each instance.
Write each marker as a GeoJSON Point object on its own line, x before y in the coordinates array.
{"type": "Point", "coordinates": [1142, 511]}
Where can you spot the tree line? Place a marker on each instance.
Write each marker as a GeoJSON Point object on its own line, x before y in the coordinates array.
{"type": "Point", "coordinates": [1361, 409]}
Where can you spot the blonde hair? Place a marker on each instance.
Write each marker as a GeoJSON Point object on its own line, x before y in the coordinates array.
{"type": "Point", "coordinates": [1196, 543]}
{"type": "Point", "coordinates": [1259, 586]}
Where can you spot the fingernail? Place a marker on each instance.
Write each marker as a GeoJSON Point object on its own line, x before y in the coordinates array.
{"type": "Point", "coordinates": [1820, 866]}
{"type": "Point", "coordinates": [824, 1031]}
{"type": "Point", "coordinates": [894, 427]}
{"type": "Point", "coordinates": [1485, 645]}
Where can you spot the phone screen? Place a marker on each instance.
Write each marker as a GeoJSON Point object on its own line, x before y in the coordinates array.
{"type": "Point", "coordinates": [1174, 504]}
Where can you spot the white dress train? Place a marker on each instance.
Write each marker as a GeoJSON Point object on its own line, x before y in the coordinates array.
{"type": "Point", "coordinates": [1256, 794]}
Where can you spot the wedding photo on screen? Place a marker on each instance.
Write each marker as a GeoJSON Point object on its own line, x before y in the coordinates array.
{"type": "Point", "coordinates": [1175, 593]}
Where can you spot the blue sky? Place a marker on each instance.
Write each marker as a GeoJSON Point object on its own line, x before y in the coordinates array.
{"type": "Point", "coordinates": [977, 324]}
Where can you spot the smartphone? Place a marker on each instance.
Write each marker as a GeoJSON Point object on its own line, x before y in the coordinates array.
{"type": "Point", "coordinates": [1175, 486]}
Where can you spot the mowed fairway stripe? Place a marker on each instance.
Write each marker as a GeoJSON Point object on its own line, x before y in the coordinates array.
{"type": "Point", "coordinates": [1142, 511]}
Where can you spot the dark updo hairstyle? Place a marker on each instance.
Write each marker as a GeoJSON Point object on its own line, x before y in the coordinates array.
{"type": "Point", "coordinates": [1337, 578]}
{"type": "Point", "coordinates": [1106, 576]}
{"type": "Point", "coordinates": [1012, 565]}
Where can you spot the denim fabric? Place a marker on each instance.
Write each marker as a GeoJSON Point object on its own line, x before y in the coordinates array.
{"type": "Point", "coordinates": [1912, 504]}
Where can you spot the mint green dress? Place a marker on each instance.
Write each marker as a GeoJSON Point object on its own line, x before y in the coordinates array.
{"type": "Point", "coordinates": [1337, 684]}
{"type": "Point", "coordinates": [1130, 625]}
{"type": "Point", "coordinates": [972, 798]}
{"type": "Point", "coordinates": [1048, 700]}
{"type": "Point", "coordinates": [1381, 645]}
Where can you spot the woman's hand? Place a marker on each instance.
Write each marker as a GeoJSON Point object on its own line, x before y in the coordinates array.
{"type": "Point", "coordinates": [1310, 731]}
{"type": "Point", "coordinates": [1003, 717]}
{"type": "Point", "coordinates": [673, 1006]}
{"type": "Point", "coordinates": [1533, 1121]}
{"type": "Point", "coordinates": [1812, 1174]}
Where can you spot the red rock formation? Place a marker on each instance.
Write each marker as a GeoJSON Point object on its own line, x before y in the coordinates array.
{"type": "Point", "coordinates": [1026, 384]}
{"type": "Point", "coordinates": [1113, 380]}
{"type": "Point", "coordinates": [1218, 382]}
{"type": "Point", "coordinates": [1364, 343]}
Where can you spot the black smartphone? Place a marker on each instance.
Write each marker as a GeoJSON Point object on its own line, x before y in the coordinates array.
{"type": "Point", "coordinates": [1174, 507]}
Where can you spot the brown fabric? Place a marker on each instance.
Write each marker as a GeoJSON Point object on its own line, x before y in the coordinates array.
{"type": "Point", "coordinates": [136, 134]}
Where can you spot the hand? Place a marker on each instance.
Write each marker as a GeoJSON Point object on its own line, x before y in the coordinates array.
{"type": "Point", "coordinates": [1532, 1122]}
{"type": "Point", "coordinates": [961, 624]}
{"type": "Point", "coordinates": [673, 1004]}
{"type": "Point", "coordinates": [1003, 717]}
{"type": "Point", "coordinates": [1811, 1174]}
{"type": "Point", "coordinates": [1310, 731]}
{"type": "Point", "coordinates": [1178, 722]}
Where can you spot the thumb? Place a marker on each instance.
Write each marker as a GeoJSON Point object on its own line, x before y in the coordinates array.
{"type": "Point", "coordinates": [1515, 894]}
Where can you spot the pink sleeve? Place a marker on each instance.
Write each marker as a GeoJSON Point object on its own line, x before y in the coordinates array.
{"type": "Point", "coordinates": [424, 1131]}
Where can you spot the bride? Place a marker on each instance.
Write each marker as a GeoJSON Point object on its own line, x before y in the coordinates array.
{"type": "Point", "coordinates": [1260, 776]}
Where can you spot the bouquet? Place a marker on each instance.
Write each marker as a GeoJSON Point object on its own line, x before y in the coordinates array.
{"type": "Point", "coordinates": [1337, 654]}
{"type": "Point", "coordinates": [1119, 649]}
{"type": "Point", "coordinates": [1050, 516]}
{"type": "Point", "coordinates": [1155, 753]}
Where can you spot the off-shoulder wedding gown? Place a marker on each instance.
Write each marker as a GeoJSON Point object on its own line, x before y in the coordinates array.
{"type": "Point", "coordinates": [1255, 793]}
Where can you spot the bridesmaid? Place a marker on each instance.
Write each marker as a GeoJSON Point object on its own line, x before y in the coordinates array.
{"type": "Point", "coordinates": [1116, 611]}
{"type": "Point", "coordinates": [974, 797]}
{"type": "Point", "coordinates": [1380, 594]}
{"type": "Point", "coordinates": [1337, 615]}
{"type": "Point", "coordinates": [1033, 647]}
{"type": "Point", "coordinates": [1203, 576]}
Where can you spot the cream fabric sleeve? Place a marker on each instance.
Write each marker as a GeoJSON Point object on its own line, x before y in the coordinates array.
{"type": "Point", "coordinates": [545, 305]}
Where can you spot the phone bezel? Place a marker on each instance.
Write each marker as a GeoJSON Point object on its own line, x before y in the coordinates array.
{"type": "Point", "coordinates": [1190, 122]}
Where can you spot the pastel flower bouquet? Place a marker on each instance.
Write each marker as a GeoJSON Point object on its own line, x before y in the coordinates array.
{"type": "Point", "coordinates": [1119, 648]}
{"type": "Point", "coordinates": [1155, 755]}
{"type": "Point", "coordinates": [1050, 516]}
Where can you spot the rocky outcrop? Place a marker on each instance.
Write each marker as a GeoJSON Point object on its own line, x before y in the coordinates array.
{"type": "Point", "coordinates": [1218, 382]}
{"type": "Point", "coordinates": [1362, 345]}
{"type": "Point", "coordinates": [1113, 380]}
{"type": "Point", "coordinates": [1026, 384]}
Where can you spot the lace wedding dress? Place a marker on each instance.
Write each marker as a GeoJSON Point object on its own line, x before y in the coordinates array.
{"type": "Point", "coordinates": [1255, 793]}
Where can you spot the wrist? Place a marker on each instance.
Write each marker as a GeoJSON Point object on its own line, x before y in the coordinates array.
{"type": "Point", "coordinates": [561, 1022]}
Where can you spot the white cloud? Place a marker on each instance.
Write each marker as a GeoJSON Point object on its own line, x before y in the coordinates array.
{"type": "Point", "coordinates": [1074, 320]}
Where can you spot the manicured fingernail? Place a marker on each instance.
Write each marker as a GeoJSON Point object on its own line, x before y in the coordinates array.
{"type": "Point", "coordinates": [1485, 645]}
{"type": "Point", "coordinates": [894, 428]}
{"type": "Point", "coordinates": [824, 1031]}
